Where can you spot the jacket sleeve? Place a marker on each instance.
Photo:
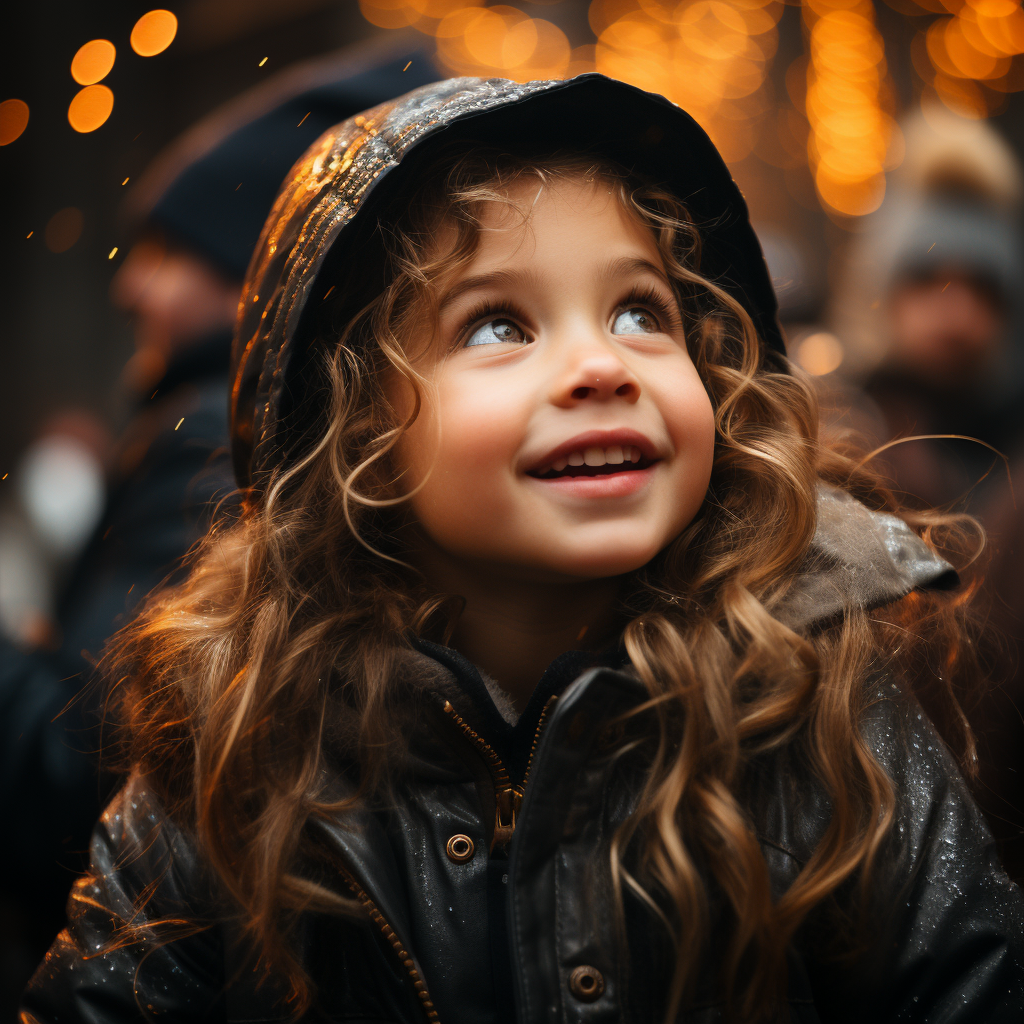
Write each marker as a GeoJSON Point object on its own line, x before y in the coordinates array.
{"type": "Point", "coordinates": [950, 946]}
{"type": "Point", "coordinates": [127, 953]}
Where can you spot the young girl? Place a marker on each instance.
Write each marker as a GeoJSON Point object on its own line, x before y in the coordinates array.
{"type": "Point", "coordinates": [552, 673]}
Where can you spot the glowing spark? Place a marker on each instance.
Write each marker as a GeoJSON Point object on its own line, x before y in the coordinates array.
{"type": "Point", "coordinates": [130, 589]}
{"type": "Point", "coordinates": [5, 476]}
{"type": "Point", "coordinates": [179, 423]}
{"type": "Point", "coordinates": [406, 68]}
{"type": "Point", "coordinates": [329, 290]}
{"type": "Point", "coordinates": [932, 246]}
{"type": "Point", "coordinates": [113, 253]}
{"type": "Point", "coordinates": [308, 112]}
{"type": "Point", "coordinates": [30, 234]}
{"type": "Point", "coordinates": [946, 285]}
{"type": "Point", "coordinates": [262, 62]}
{"type": "Point", "coordinates": [238, 186]}
{"type": "Point", "coordinates": [125, 182]}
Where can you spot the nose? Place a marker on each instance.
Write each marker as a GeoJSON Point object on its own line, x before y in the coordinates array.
{"type": "Point", "coordinates": [594, 372]}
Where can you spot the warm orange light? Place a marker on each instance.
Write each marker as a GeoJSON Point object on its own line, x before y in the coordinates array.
{"type": "Point", "coordinates": [454, 25]}
{"type": "Point", "coordinates": [388, 13]}
{"type": "Point", "coordinates": [13, 120]}
{"type": "Point", "coordinates": [93, 61]}
{"type": "Point", "coordinates": [437, 9]}
{"type": "Point", "coordinates": [484, 36]}
{"type": "Point", "coordinates": [820, 353]}
{"type": "Point", "coordinates": [63, 229]}
{"type": "Point", "coordinates": [603, 13]}
{"type": "Point", "coordinates": [994, 8]}
{"type": "Point", "coordinates": [153, 33]}
{"type": "Point", "coordinates": [969, 61]}
{"type": "Point", "coordinates": [709, 56]}
{"type": "Point", "coordinates": [978, 43]}
{"type": "Point", "coordinates": [851, 136]}
{"type": "Point", "coordinates": [497, 40]}
{"type": "Point", "coordinates": [550, 57]}
{"type": "Point", "coordinates": [90, 108]}
{"type": "Point", "coordinates": [1000, 23]}
{"type": "Point", "coordinates": [519, 44]}
{"type": "Point", "coordinates": [961, 95]}
{"type": "Point", "coordinates": [853, 198]}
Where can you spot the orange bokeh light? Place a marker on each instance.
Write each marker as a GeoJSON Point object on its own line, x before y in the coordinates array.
{"type": "Point", "coordinates": [709, 56]}
{"type": "Point", "coordinates": [93, 61]}
{"type": "Point", "coordinates": [519, 44]}
{"type": "Point", "coordinates": [13, 120]}
{"type": "Point", "coordinates": [977, 44]}
{"type": "Point", "coordinates": [961, 95]}
{"type": "Point", "coordinates": [851, 133]}
{"type": "Point", "coordinates": [389, 13]}
{"type": "Point", "coordinates": [498, 40]}
{"type": "Point", "coordinates": [90, 108]}
{"type": "Point", "coordinates": [154, 32]}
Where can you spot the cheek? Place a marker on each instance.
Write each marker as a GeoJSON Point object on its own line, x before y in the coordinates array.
{"type": "Point", "coordinates": [690, 420]}
{"type": "Point", "coordinates": [463, 446]}
{"type": "Point", "coordinates": [688, 415]}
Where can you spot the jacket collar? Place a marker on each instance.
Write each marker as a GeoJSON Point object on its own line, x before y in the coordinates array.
{"type": "Point", "coordinates": [858, 559]}
{"type": "Point", "coordinates": [480, 699]}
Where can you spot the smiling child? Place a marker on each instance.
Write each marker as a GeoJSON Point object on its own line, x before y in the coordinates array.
{"type": "Point", "coordinates": [554, 670]}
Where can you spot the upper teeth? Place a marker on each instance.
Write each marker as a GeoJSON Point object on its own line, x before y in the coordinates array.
{"type": "Point", "coordinates": [613, 455]}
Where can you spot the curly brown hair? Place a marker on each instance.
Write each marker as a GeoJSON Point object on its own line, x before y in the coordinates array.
{"type": "Point", "coordinates": [303, 603]}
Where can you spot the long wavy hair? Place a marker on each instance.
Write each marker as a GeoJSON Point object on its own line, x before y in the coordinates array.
{"type": "Point", "coordinates": [235, 686]}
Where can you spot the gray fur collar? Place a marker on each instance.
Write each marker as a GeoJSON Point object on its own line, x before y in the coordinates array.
{"type": "Point", "coordinates": [859, 558]}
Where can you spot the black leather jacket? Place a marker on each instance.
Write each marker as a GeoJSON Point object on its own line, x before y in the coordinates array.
{"type": "Point", "coordinates": [483, 887]}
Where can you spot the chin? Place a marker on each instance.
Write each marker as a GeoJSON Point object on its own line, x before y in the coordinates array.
{"type": "Point", "coordinates": [609, 563]}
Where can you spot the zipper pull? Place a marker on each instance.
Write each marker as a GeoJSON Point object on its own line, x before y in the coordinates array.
{"type": "Point", "coordinates": [507, 804]}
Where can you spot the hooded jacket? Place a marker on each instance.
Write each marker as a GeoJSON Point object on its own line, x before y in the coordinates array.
{"type": "Point", "coordinates": [482, 890]}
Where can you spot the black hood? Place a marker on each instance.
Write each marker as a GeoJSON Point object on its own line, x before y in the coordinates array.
{"type": "Point", "coordinates": [362, 165]}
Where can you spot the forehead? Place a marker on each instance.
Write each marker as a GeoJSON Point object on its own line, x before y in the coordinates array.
{"type": "Point", "coordinates": [575, 215]}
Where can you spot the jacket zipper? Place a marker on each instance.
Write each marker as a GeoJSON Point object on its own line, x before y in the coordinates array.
{"type": "Point", "coordinates": [508, 798]}
{"type": "Point", "coordinates": [426, 1004]}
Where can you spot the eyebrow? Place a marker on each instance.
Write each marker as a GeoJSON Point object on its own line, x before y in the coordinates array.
{"type": "Point", "coordinates": [479, 281]}
{"type": "Point", "coordinates": [628, 265]}
{"type": "Point", "coordinates": [625, 266]}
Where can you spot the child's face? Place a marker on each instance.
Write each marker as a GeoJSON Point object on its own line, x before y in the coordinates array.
{"type": "Point", "coordinates": [561, 342]}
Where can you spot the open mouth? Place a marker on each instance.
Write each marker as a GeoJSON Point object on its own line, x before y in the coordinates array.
{"type": "Point", "coordinates": [595, 462]}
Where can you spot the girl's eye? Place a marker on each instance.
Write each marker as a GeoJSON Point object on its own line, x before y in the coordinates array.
{"type": "Point", "coordinates": [496, 331]}
{"type": "Point", "coordinates": [635, 320]}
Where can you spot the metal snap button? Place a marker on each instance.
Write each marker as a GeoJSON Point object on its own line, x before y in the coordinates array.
{"type": "Point", "coordinates": [586, 983]}
{"type": "Point", "coordinates": [461, 848]}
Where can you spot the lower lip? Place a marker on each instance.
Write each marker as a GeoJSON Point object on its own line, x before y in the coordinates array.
{"type": "Point", "coordinates": [609, 485]}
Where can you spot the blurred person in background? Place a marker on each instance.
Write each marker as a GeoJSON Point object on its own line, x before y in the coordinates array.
{"type": "Point", "coordinates": [194, 218]}
{"type": "Point", "coordinates": [929, 314]}
{"type": "Point", "coordinates": [930, 327]}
